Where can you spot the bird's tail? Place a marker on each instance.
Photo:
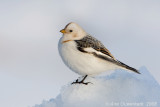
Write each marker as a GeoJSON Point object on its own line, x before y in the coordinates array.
{"type": "Point", "coordinates": [128, 67]}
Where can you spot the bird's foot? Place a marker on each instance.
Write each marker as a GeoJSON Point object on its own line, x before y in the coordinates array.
{"type": "Point", "coordinates": [81, 82]}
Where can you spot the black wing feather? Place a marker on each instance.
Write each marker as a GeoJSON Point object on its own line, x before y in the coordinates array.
{"type": "Point", "coordinates": [89, 41]}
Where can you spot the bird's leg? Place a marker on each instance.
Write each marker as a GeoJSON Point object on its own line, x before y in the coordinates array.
{"type": "Point", "coordinates": [82, 81]}
{"type": "Point", "coordinates": [83, 78]}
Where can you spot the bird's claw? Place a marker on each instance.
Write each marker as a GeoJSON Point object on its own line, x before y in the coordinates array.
{"type": "Point", "coordinates": [81, 82]}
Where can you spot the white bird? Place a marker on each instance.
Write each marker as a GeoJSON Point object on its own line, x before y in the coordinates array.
{"type": "Point", "coordinates": [86, 55]}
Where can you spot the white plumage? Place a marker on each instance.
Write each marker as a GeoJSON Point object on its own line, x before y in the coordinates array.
{"type": "Point", "coordinates": [82, 63]}
{"type": "Point", "coordinates": [86, 55]}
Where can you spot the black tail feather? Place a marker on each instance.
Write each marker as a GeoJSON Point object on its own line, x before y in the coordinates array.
{"type": "Point", "coordinates": [128, 67]}
{"type": "Point", "coordinates": [119, 63]}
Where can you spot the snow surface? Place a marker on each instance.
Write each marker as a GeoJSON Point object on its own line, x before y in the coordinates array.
{"type": "Point", "coordinates": [119, 89]}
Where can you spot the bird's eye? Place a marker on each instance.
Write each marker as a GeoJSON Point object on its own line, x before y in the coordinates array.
{"type": "Point", "coordinates": [70, 31]}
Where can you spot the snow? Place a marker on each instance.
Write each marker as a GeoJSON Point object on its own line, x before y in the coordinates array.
{"type": "Point", "coordinates": [119, 89]}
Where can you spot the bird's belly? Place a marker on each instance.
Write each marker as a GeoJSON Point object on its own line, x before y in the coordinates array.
{"type": "Point", "coordinates": [82, 63]}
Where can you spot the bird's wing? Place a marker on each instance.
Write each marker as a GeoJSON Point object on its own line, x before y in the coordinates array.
{"type": "Point", "coordinates": [91, 42]}
{"type": "Point", "coordinates": [91, 45]}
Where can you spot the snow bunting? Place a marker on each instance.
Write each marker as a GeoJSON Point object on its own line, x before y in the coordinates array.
{"type": "Point", "coordinates": [86, 55]}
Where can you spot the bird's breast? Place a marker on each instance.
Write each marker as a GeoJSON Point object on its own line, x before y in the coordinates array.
{"type": "Point", "coordinates": [80, 62]}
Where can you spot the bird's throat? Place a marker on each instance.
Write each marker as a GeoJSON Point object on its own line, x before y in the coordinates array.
{"type": "Point", "coordinates": [66, 41]}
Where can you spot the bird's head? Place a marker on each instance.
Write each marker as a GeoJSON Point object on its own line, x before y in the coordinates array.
{"type": "Point", "coordinates": [72, 31]}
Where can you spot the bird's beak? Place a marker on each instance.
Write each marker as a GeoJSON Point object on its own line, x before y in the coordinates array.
{"type": "Point", "coordinates": [63, 31]}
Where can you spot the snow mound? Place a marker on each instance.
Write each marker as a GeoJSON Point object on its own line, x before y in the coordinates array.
{"type": "Point", "coordinates": [120, 89]}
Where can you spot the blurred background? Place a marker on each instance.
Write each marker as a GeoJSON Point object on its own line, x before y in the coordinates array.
{"type": "Point", "coordinates": [31, 69]}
